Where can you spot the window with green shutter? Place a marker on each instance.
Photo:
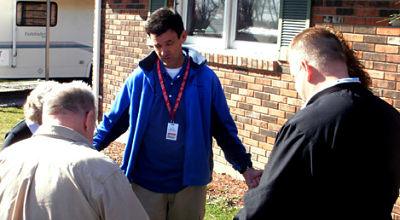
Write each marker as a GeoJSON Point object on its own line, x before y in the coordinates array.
{"type": "Point", "coordinates": [294, 17]}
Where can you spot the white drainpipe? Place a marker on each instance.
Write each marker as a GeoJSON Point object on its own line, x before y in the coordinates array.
{"type": "Point", "coordinates": [96, 50]}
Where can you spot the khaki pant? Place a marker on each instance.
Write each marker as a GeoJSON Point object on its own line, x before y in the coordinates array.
{"type": "Point", "coordinates": [187, 204]}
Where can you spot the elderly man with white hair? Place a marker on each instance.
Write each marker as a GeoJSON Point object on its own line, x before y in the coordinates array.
{"type": "Point", "coordinates": [57, 174]}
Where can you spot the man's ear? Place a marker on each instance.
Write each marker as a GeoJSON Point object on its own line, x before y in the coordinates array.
{"type": "Point", "coordinates": [88, 119]}
{"type": "Point", "coordinates": [183, 36]}
{"type": "Point", "coordinates": [308, 69]}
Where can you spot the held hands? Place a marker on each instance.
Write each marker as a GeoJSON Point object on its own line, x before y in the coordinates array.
{"type": "Point", "coordinates": [252, 177]}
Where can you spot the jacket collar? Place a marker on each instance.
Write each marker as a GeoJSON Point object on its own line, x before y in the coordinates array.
{"type": "Point", "coordinates": [333, 89]}
{"type": "Point", "coordinates": [197, 60]}
{"type": "Point", "coordinates": [61, 132]}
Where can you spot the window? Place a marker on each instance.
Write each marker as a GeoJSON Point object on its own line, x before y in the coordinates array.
{"type": "Point", "coordinates": [249, 27]}
{"type": "Point", "coordinates": [34, 14]}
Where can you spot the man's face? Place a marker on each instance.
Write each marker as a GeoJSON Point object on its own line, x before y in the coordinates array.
{"type": "Point", "coordinates": [168, 47]}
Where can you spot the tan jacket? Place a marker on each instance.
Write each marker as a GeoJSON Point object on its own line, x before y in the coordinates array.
{"type": "Point", "coordinates": [57, 174]}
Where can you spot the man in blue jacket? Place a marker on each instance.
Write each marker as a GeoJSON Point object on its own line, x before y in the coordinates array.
{"type": "Point", "coordinates": [174, 104]}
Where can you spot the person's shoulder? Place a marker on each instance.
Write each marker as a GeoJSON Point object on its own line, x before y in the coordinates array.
{"type": "Point", "coordinates": [205, 73]}
{"type": "Point", "coordinates": [90, 157]}
{"type": "Point", "coordinates": [20, 126]}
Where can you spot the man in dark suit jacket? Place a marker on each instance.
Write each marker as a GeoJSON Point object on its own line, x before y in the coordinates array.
{"type": "Point", "coordinates": [33, 114]}
{"type": "Point", "coordinates": [18, 133]}
{"type": "Point", "coordinates": [339, 156]}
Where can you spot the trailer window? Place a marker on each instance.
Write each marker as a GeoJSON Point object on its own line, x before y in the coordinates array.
{"type": "Point", "coordinates": [34, 13]}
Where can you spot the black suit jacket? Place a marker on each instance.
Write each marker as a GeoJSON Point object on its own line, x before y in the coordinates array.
{"type": "Point", "coordinates": [18, 133]}
{"type": "Point", "coordinates": [338, 158]}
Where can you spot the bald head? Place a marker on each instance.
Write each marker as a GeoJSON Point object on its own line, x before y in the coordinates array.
{"type": "Point", "coordinates": [71, 105]}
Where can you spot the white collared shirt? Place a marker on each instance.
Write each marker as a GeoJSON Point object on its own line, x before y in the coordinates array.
{"type": "Point", "coordinates": [33, 126]}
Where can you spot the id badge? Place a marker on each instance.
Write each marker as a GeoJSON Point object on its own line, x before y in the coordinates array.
{"type": "Point", "coordinates": [172, 131]}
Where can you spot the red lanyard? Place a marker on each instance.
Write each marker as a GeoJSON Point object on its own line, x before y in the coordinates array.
{"type": "Point", "coordinates": [164, 91]}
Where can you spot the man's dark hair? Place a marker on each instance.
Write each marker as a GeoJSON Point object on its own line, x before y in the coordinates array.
{"type": "Point", "coordinates": [162, 20]}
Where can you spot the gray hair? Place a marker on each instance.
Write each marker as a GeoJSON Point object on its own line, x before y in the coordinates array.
{"type": "Point", "coordinates": [34, 102]}
{"type": "Point", "coordinates": [74, 97]}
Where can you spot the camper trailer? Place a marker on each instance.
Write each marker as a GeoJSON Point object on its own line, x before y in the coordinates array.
{"type": "Point", "coordinates": [23, 39]}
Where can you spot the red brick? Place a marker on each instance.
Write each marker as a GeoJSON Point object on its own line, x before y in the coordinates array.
{"type": "Point", "coordinates": [245, 92]}
{"type": "Point", "coordinates": [368, 64]}
{"type": "Point", "coordinates": [256, 87]}
{"type": "Point", "coordinates": [392, 76]}
{"type": "Point", "coordinates": [388, 31]}
{"type": "Point", "coordinates": [353, 37]}
{"type": "Point", "coordinates": [233, 76]}
{"type": "Point", "coordinates": [287, 77]}
{"type": "Point", "coordinates": [274, 127]}
{"type": "Point", "coordinates": [323, 11]}
{"type": "Point", "coordinates": [287, 108]}
{"type": "Point", "coordinates": [279, 84]}
{"type": "Point", "coordinates": [393, 58]}
{"type": "Point", "coordinates": [281, 121]}
{"type": "Point", "coordinates": [263, 81]}
{"type": "Point", "coordinates": [374, 56]}
{"type": "Point", "coordinates": [265, 146]}
{"type": "Point", "coordinates": [271, 140]}
{"type": "Point", "coordinates": [259, 123]}
{"type": "Point", "coordinates": [317, 19]}
{"type": "Point", "coordinates": [289, 93]}
{"type": "Point", "coordinates": [278, 113]}
{"type": "Point", "coordinates": [385, 66]}
{"type": "Point", "coordinates": [344, 28]}
{"type": "Point", "coordinates": [249, 79]}
{"type": "Point", "coordinates": [253, 101]}
{"type": "Point", "coordinates": [354, 20]}
{"type": "Point", "coordinates": [374, 21]}
{"type": "Point", "coordinates": [278, 98]}
{"type": "Point", "coordinates": [366, 12]}
{"type": "Point", "coordinates": [386, 49]}
{"type": "Point", "coordinates": [383, 84]}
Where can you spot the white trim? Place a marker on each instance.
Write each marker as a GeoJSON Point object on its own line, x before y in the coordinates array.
{"type": "Point", "coordinates": [227, 26]}
{"type": "Point", "coordinates": [96, 50]}
{"type": "Point", "coordinates": [14, 36]}
{"type": "Point", "coordinates": [227, 45]}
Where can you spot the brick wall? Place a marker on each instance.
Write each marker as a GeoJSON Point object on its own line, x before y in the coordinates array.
{"type": "Point", "coordinates": [260, 93]}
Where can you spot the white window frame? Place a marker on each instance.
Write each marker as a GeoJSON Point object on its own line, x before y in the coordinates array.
{"type": "Point", "coordinates": [227, 45]}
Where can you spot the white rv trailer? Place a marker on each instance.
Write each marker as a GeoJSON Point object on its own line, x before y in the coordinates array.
{"type": "Point", "coordinates": [23, 38]}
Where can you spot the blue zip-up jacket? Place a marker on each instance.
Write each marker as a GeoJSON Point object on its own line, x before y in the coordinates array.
{"type": "Point", "coordinates": [207, 115]}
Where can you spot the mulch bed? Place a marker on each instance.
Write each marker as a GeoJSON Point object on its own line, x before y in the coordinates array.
{"type": "Point", "coordinates": [224, 186]}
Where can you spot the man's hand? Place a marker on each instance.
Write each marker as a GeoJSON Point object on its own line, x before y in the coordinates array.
{"type": "Point", "coordinates": [252, 177]}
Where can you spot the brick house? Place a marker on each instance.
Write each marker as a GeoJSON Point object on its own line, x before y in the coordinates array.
{"type": "Point", "coordinates": [251, 64]}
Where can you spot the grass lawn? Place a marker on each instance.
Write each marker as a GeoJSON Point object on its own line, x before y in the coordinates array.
{"type": "Point", "coordinates": [220, 209]}
{"type": "Point", "coordinates": [9, 117]}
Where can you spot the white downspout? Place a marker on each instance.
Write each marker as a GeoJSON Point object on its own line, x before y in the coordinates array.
{"type": "Point", "coordinates": [14, 37]}
{"type": "Point", "coordinates": [96, 50]}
